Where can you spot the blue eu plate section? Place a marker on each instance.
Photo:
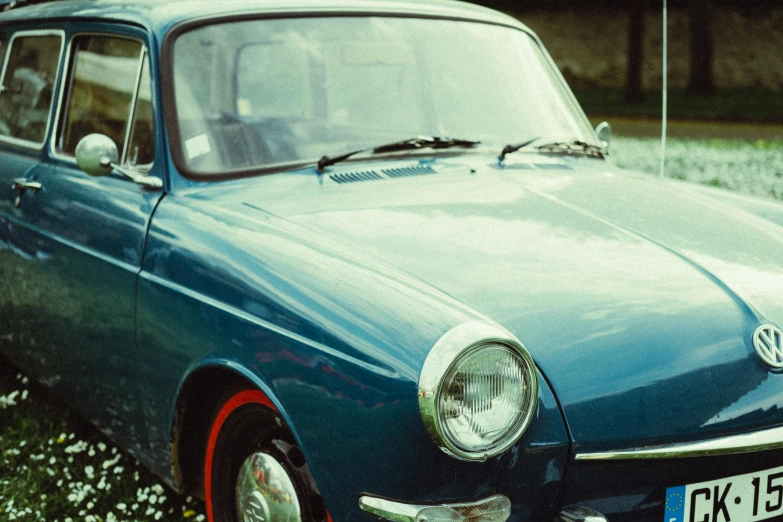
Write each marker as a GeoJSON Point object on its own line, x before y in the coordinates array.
{"type": "Point", "coordinates": [674, 507]}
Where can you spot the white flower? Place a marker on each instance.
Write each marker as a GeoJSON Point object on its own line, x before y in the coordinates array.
{"type": "Point", "coordinates": [9, 400]}
{"type": "Point", "coordinates": [109, 463]}
{"type": "Point", "coordinates": [78, 447]}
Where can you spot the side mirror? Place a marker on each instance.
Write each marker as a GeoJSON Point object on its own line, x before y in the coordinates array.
{"type": "Point", "coordinates": [604, 133]}
{"type": "Point", "coordinates": [96, 155]}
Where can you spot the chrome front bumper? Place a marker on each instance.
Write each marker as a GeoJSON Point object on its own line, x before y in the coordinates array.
{"type": "Point", "coordinates": [496, 508]}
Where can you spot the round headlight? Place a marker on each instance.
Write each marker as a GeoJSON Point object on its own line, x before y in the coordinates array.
{"type": "Point", "coordinates": [477, 391]}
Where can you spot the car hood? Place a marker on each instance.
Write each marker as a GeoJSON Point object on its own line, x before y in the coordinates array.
{"type": "Point", "coordinates": [637, 298]}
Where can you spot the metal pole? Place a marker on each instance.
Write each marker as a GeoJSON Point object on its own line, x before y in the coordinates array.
{"type": "Point", "coordinates": [665, 86]}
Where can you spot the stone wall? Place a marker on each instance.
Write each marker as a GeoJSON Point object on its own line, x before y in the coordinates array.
{"type": "Point", "coordinates": [590, 46]}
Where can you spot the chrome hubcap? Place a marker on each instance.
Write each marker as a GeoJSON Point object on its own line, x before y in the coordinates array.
{"type": "Point", "coordinates": [264, 491]}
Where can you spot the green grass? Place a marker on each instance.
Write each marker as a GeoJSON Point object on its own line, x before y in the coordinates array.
{"type": "Point", "coordinates": [735, 105]}
{"type": "Point", "coordinates": [55, 467]}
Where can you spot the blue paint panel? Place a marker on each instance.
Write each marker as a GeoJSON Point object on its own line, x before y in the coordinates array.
{"type": "Point", "coordinates": [348, 391]}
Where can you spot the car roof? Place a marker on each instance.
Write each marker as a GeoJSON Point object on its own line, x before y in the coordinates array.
{"type": "Point", "coordinates": [159, 15]}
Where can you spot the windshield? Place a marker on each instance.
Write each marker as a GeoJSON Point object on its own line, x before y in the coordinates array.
{"type": "Point", "coordinates": [254, 93]}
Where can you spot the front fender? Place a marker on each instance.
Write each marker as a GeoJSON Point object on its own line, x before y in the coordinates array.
{"type": "Point", "coordinates": [335, 340]}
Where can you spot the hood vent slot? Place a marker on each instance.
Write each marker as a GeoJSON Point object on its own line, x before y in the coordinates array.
{"type": "Point", "coordinates": [352, 177]}
{"type": "Point", "coordinates": [371, 175]}
{"type": "Point", "coordinates": [405, 172]}
{"type": "Point", "coordinates": [511, 166]}
{"type": "Point", "coordinates": [530, 166]}
{"type": "Point", "coordinates": [553, 166]}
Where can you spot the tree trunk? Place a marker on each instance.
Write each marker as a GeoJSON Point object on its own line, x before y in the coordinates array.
{"type": "Point", "coordinates": [701, 81]}
{"type": "Point", "coordinates": [634, 90]}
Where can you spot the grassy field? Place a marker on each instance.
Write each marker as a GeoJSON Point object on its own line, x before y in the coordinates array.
{"type": "Point", "coordinates": [752, 167]}
{"type": "Point", "coordinates": [55, 467]}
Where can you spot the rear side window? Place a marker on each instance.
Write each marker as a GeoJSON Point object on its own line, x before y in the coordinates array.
{"type": "Point", "coordinates": [28, 80]}
{"type": "Point", "coordinates": [109, 93]}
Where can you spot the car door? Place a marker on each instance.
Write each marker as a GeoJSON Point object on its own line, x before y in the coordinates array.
{"type": "Point", "coordinates": [29, 70]}
{"type": "Point", "coordinates": [89, 232]}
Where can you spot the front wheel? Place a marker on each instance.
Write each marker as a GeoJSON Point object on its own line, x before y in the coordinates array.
{"type": "Point", "coordinates": [254, 471]}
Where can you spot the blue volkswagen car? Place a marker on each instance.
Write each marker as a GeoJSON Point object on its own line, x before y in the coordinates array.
{"type": "Point", "coordinates": [318, 260]}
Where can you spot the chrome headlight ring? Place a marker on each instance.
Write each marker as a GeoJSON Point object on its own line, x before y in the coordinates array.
{"type": "Point", "coordinates": [454, 351]}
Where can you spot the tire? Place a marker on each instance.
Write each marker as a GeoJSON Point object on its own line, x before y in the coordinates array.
{"type": "Point", "coordinates": [253, 469]}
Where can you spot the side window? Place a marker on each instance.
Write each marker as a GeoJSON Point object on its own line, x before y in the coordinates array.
{"type": "Point", "coordinates": [109, 93]}
{"type": "Point", "coordinates": [27, 86]}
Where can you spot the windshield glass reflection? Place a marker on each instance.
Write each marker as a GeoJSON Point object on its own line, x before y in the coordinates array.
{"type": "Point", "coordinates": [255, 93]}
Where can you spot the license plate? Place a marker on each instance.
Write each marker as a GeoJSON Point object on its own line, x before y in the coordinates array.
{"type": "Point", "coordinates": [741, 498]}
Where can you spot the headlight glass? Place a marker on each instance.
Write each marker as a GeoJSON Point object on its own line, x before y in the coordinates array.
{"type": "Point", "coordinates": [477, 391]}
{"type": "Point", "coordinates": [484, 397]}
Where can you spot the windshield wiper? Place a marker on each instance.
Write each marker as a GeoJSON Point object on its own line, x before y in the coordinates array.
{"type": "Point", "coordinates": [419, 142]}
{"type": "Point", "coordinates": [565, 146]}
{"type": "Point", "coordinates": [574, 147]}
{"type": "Point", "coordinates": [508, 149]}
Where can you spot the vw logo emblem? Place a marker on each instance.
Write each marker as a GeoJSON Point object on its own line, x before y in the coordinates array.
{"type": "Point", "coordinates": [768, 342]}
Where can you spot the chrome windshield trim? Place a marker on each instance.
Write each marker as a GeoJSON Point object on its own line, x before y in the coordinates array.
{"type": "Point", "coordinates": [746, 443]}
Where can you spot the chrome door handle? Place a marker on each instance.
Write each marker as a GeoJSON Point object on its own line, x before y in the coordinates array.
{"type": "Point", "coordinates": [21, 185]}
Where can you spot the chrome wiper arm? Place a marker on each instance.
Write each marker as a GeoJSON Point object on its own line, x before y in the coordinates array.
{"type": "Point", "coordinates": [574, 147]}
{"type": "Point", "coordinates": [419, 142]}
